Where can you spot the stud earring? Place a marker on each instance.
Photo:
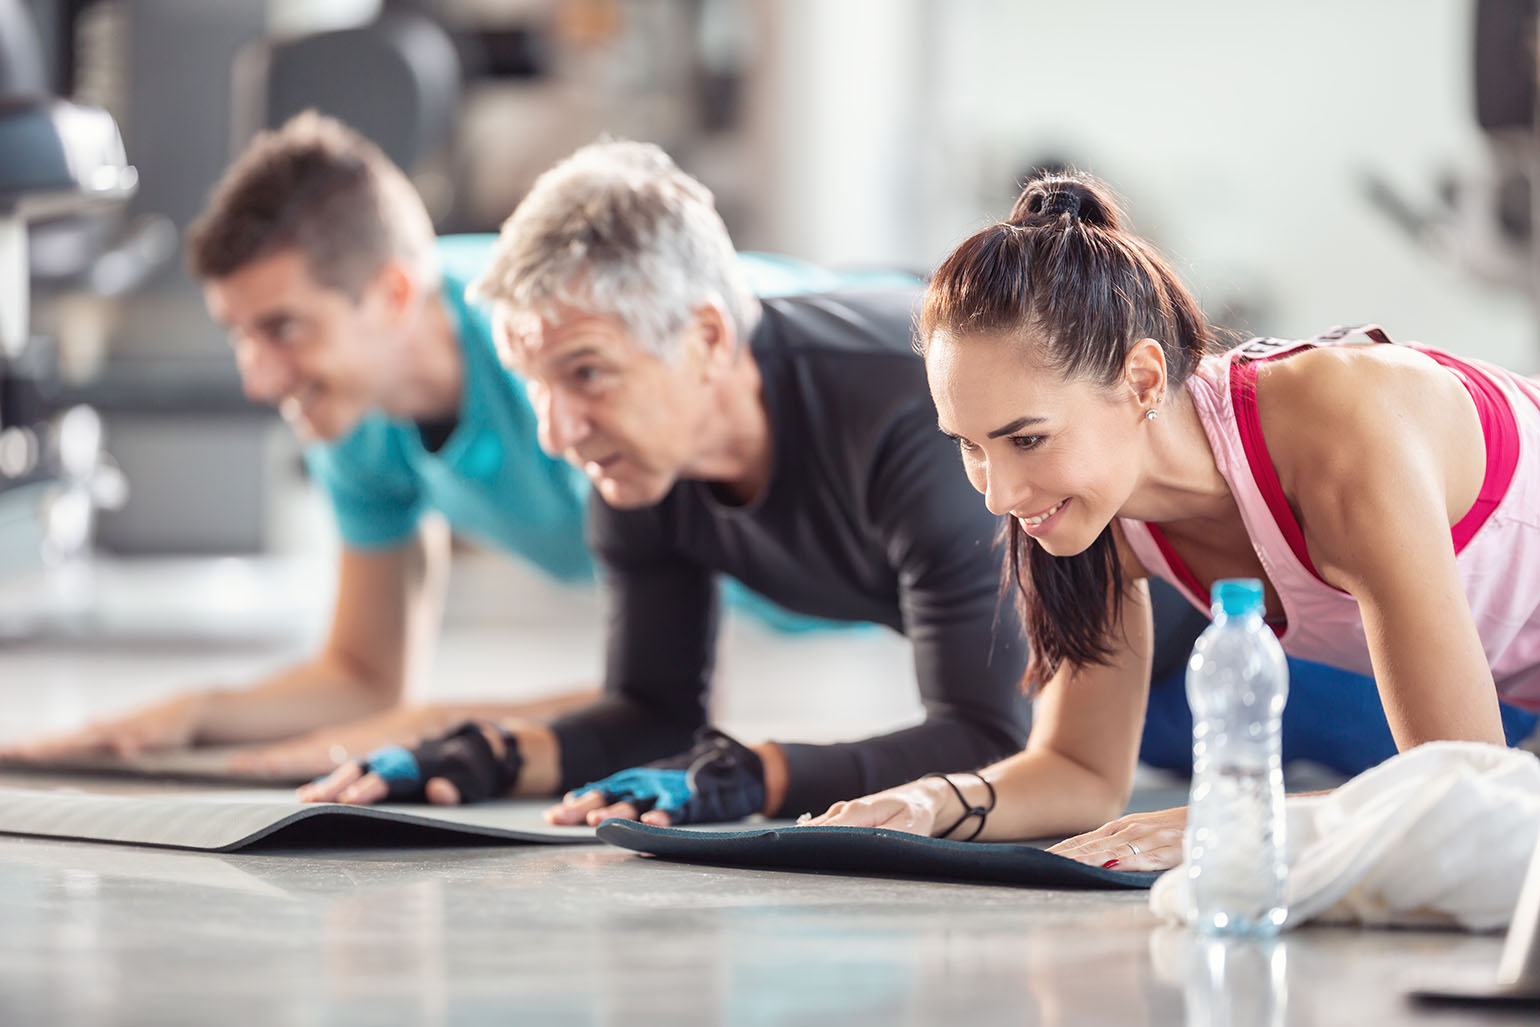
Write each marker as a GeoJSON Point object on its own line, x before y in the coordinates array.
{"type": "Point", "coordinates": [1151, 414]}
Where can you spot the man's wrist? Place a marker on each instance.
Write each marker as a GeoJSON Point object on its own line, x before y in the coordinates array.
{"type": "Point", "coordinates": [540, 774]}
{"type": "Point", "coordinates": [773, 760]}
{"type": "Point", "coordinates": [203, 716]}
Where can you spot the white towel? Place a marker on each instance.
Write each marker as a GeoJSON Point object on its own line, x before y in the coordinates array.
{"type": "Point", "coordinates": [1440, 835]}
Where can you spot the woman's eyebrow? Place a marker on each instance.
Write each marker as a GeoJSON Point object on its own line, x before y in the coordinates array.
{"type": "Point", "coordinates": [1016, 425]}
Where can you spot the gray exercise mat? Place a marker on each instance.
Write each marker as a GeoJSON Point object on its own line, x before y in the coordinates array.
{"type": "Point", "coordinates": [209, 764]}
{"type": "Point", "coordinates": [868, 850]}
{"type": "Point", "coordinates": [228, 820]}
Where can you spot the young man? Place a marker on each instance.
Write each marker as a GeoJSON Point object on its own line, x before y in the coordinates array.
{"type": "Point", "coordinates": [345, 313]}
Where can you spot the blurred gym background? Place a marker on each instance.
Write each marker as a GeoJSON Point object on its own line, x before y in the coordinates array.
{"type": "Point", "coordinates": [1306, 164]}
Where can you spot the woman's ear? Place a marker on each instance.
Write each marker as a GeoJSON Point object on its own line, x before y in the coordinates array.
{"type": "Point", "coordinates": [1144, 371]}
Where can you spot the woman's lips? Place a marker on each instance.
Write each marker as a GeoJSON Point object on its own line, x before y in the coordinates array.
{"type": "Point", "coordinates": [1039, 524]}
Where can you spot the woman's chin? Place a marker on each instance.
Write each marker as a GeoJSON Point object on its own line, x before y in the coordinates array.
{"type": "Point", "coordinates": [1065, 543]}
{"type": "Point", "coordinates": [1053, 548]}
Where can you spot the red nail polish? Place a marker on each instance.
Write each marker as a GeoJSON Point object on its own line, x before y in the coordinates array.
{"type": "Point", "coordinates": [1109, 864]}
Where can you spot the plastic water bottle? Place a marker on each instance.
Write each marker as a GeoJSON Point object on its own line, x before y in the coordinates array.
{"type": "Point", "coordinates": [1237, 683]}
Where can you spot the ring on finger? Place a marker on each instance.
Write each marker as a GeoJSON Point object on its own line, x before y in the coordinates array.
{"type": "Point", "coordinates": [1132, 848]}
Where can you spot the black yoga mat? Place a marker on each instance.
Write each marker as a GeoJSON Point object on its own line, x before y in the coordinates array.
{"type": "Point", "coordinates": [868, 850]}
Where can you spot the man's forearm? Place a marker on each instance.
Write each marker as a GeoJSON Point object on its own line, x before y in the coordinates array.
{"type": "Point", "coordinates": [303, 698]}
{"type": "Point", "coordinates": [540, 760]}
{"type": "Point", "coordinates": [612, 734]}
{"type": "Point", "coordinates": [774, 761]}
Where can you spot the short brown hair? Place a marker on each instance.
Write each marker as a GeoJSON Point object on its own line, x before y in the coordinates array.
{"type": "Point", "coordinates": [318, 187]}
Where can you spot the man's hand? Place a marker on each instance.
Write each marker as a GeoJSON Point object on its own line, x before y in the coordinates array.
{"type": "Point", "coordinates": [717, 779]}
{"type": "Point", "coordinates": [474, 762]}
{"type": "Point", "coordinates": [324, 750]}
{"type": "Point", "coordinates": [172, 724]}
{"type": "Point", "coordinates": [1138, 841]}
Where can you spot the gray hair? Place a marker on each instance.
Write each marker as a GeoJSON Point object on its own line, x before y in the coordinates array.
{"type": "Point", "coordinates": [618, 229]}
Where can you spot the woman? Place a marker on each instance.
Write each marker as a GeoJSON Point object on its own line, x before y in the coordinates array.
{"type": "Point", "coordinates": [1387, 496]}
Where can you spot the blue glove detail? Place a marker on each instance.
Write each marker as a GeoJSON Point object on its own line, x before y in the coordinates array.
{"type": "Point", "coordinates": [645, 788]}
{"type": "Point", "coordinates": [463, 757]}
{"type": "Point", "coordinates": [394, 765]}
{"type": "Point", "coordinates": [718, 779]}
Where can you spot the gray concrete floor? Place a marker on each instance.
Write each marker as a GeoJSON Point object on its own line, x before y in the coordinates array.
{"type": "Point", "coordinates": [108, 934]}
{"type": "Point", "coordinates": [582, 935]}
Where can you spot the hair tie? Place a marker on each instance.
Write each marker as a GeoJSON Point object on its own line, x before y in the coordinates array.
{"type": "Point", "coordinates": [1065, 201]}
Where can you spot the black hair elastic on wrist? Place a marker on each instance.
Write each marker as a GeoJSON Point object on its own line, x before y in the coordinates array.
{"type": "Point", "coordinates": [982, 812]}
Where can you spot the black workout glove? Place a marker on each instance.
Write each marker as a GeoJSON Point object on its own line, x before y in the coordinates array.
{"type": "Point", "coordinates": [718, 779]}
{"type": "Point", "coordinates": [464, 757]}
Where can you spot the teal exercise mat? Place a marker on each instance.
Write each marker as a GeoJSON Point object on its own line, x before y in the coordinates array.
{"type": "Point", "coordinates": [868, 850]}
{"type": "Point", "coordinates": [227, 821]}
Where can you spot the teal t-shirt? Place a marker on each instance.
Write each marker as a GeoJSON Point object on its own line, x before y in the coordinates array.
{"type": "Point", "coordinates": [490, 478]}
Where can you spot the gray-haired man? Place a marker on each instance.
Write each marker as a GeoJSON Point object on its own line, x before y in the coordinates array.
{"type": "Point", "coordinates": [789, 443]}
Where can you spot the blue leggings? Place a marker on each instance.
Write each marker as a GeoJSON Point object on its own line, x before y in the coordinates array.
{"type": "Point", "coordinates": [1333, 718]}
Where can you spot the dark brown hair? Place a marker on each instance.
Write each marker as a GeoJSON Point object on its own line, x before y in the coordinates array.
{"type": "Point", "coordinates": [318, 187]}
{"type": "Point", "coordinates": [1062, 274]}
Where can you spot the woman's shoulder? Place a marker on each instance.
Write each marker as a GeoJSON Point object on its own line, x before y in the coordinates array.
{"type": "Point", "coordinates": [1340, 412]}
{"type": "Point", "coordinates": [1336, 386]}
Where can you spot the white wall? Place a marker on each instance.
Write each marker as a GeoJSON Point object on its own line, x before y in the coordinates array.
{"type": "Point", "coordinates": [1237, 133]}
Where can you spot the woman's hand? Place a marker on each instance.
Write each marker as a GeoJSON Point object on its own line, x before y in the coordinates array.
{"type": "Point", "coordinates": [1138, 841]}
{"type": "Point", "coordinates": [914, 808]}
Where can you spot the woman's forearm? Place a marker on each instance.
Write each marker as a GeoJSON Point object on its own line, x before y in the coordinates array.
{"type": "Point", "coordinates": [1039, 793]}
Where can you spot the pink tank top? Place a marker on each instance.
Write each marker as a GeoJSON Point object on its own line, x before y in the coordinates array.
{"type": "Point", "coordinates": [1497, 544]}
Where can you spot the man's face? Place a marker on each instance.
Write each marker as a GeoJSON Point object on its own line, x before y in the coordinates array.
{"type": "Point", "coordinates": [631, 420]}
{"type": "Point", "coordinates": [311, 351]}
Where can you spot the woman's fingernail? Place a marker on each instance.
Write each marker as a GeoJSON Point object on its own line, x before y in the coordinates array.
{"type": "Point", "coordinates": [1109, 864]}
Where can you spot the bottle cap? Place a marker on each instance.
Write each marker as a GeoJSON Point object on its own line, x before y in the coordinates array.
{"type": "Point", "coordinates": [1238, 595]}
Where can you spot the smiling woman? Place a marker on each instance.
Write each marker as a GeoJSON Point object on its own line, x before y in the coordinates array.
{"type": "Point", "coordinates": [1384, 495]}
{"type": "Point", "coordinates": [1058, 270]}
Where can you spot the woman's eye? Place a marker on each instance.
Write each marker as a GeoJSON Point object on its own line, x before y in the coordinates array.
{"type": "Point", "coordinates": [964, 445]}
{"type": "Point", "coordinates": [585, 374]}
{"type": "Point", "coordinates": [1026, 441]}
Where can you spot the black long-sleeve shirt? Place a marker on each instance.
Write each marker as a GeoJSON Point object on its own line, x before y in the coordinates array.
{"type": "Point", "coordinates": [867, 516]}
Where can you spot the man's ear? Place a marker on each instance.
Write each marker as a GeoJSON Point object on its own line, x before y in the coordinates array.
{"type": "Point", "coordinates": [397, 288]}
{"type": "Point", "coordinates": [1144, 372]}
{"type": "Point", "coordinates": [715, 338]}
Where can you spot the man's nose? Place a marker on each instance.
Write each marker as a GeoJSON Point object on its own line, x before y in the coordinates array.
{"type": "Point", "coordinates": [563, 424]}
{"type": "Point", "coordinates": [265, 377]}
